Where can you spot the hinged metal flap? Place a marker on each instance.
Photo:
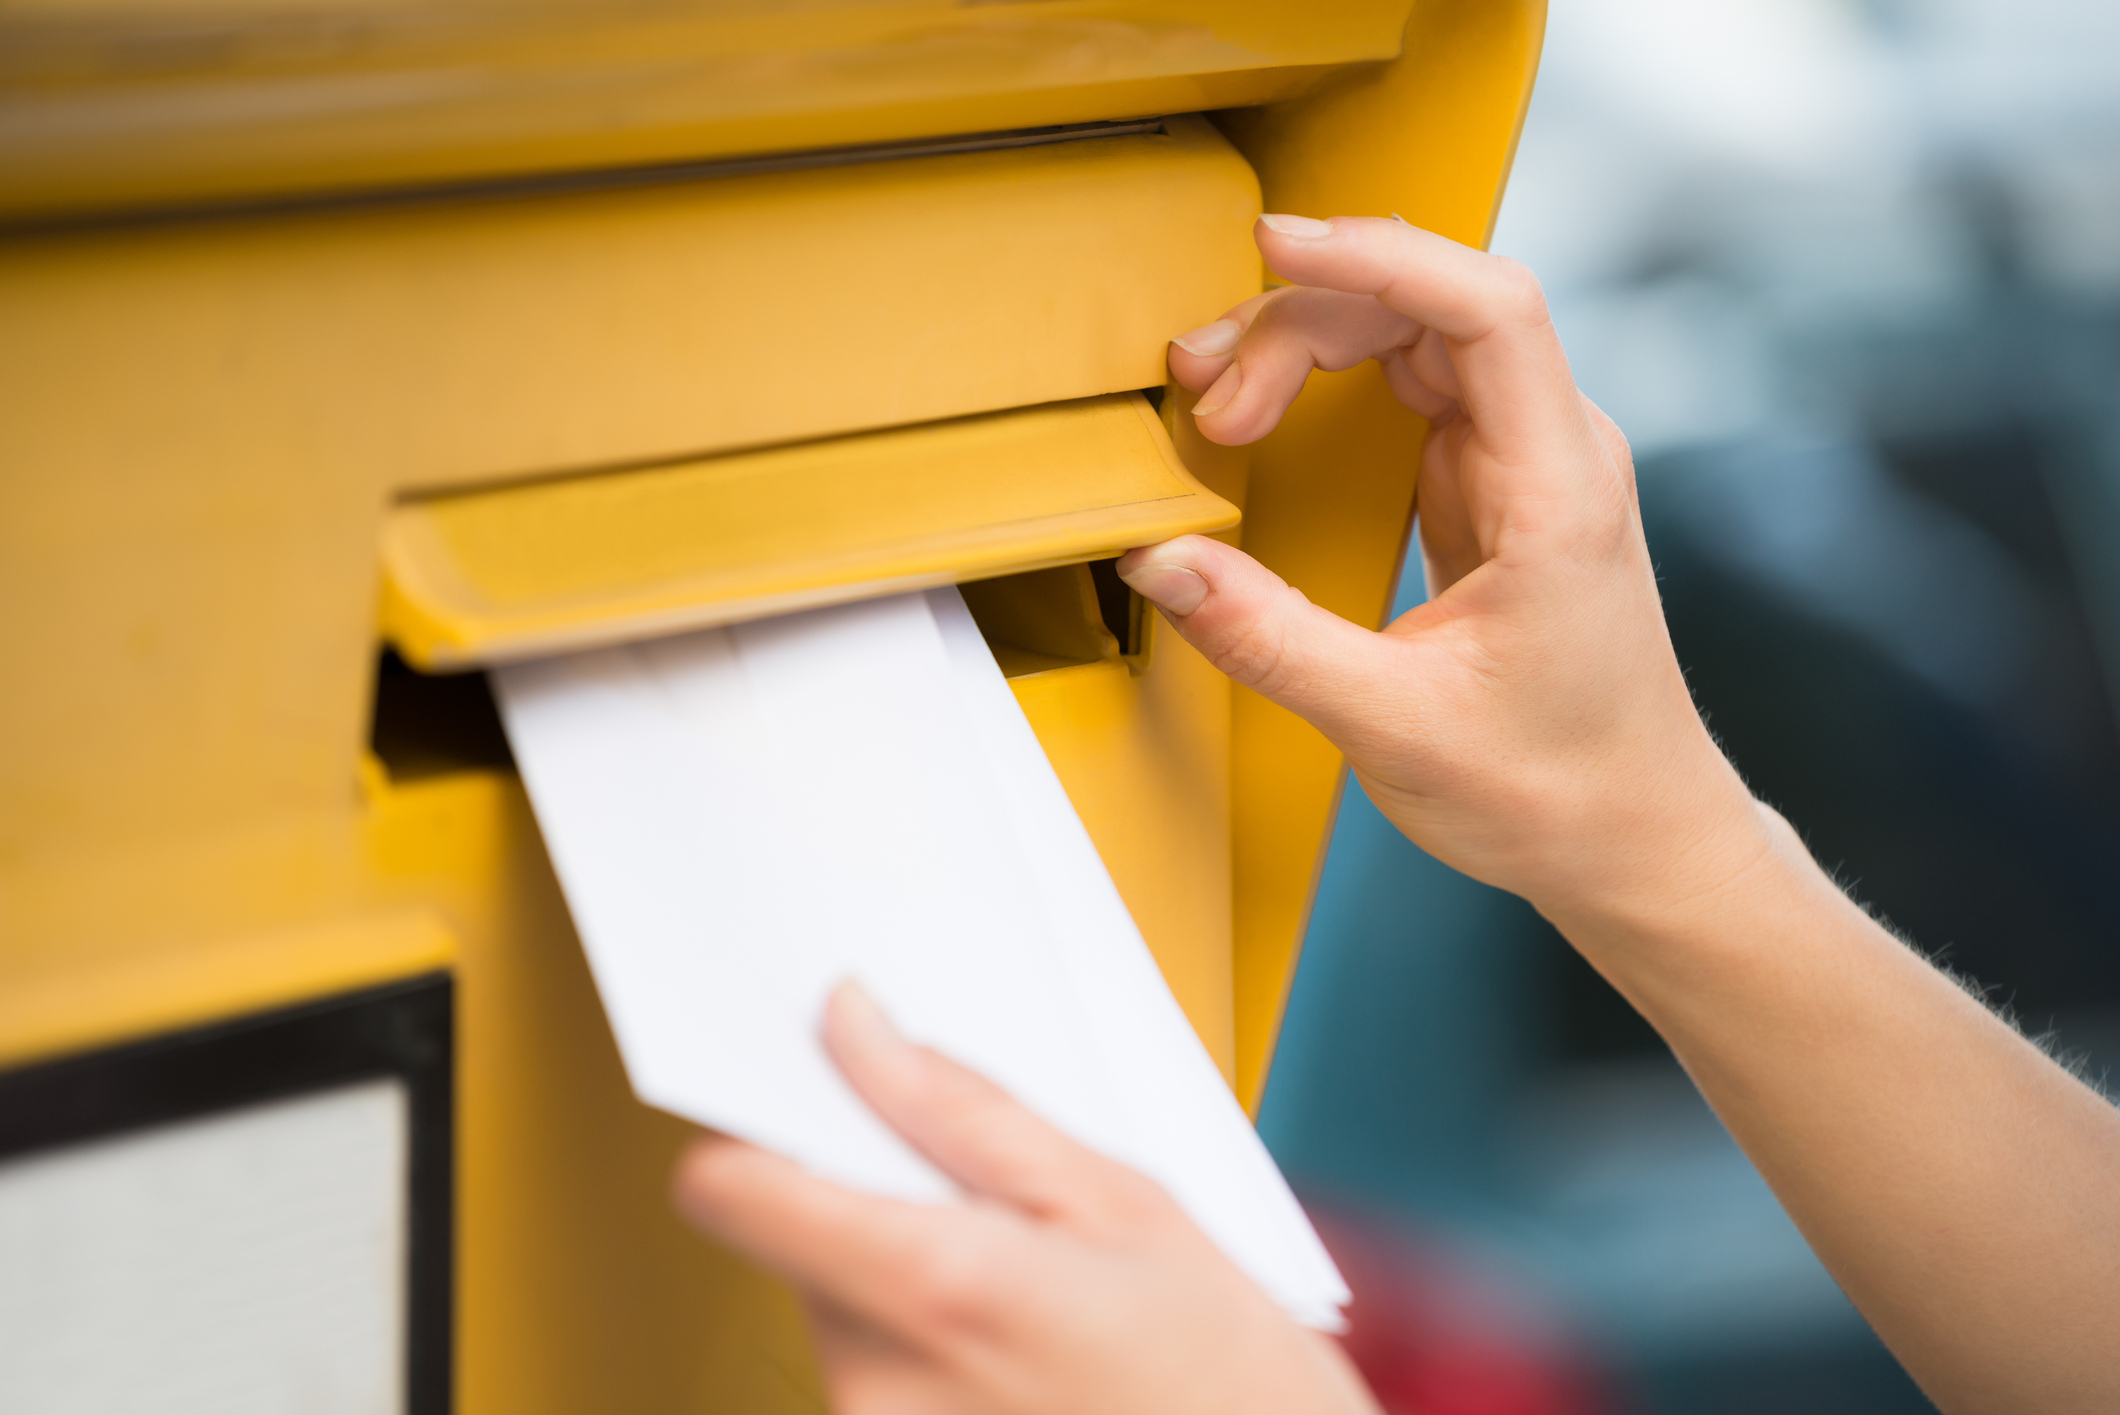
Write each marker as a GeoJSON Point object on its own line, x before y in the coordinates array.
{"type": "Point", "coordinates": [496, 574]}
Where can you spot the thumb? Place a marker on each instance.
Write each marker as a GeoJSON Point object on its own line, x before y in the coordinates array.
{"type": "Point", "coordinates": [1261, 631]}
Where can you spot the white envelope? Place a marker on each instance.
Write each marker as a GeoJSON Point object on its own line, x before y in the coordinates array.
{"type": "Point", "coordinates": [742, 817]}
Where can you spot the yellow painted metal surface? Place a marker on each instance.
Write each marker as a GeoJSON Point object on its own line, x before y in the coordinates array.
{"type": "Point", "coordinates": [577, 1289]}
{"type": "Point", "coordinates": [206, 427]}
{"type": "Point", "coordinates": [496, 574]}
{"type": "Point", "coordinates": [203, 430]}
{"type": "Point", "coordinates": [1044, 620]}
{"type": "Point", "coordinates": [110, 104]}
{"type": "Point", "coordinates": [203, 427]}
{"type": "Point", "coordinates": [55, 1002]}
{"type": "Point", "coordinates": [1145, 760]}
{"type": "Point", "coordinates": [1430, 137]}
{"type": "Point", "coordinates": [439, 345]}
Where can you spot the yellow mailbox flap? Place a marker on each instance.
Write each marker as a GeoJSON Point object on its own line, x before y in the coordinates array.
{"type": "Point", "coordinates": [513, 572]}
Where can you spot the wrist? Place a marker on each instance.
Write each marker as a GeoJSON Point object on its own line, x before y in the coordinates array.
{"type": "Point", "coordinates": [1667, 854]}
{"type": "Point", "coordinates": [1748, 911]}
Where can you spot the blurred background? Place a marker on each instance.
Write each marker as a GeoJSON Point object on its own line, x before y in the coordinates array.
{"type": "Point", "coordinates": [1847, 272]}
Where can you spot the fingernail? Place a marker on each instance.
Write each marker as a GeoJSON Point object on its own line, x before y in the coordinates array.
{"type": "Point", "coordinates": [1302, 227]}
{"type": "Point", "coordinates": [1209, 339]}
{"type": "Point", "coordinates": [1219, 393]}
{"type": "Point", "coordinates": [862, 1019]}
{"type": "Point", "coordinates": [1172, 587]}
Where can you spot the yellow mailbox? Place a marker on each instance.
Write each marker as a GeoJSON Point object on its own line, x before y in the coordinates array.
{"type": "Point", "coordinates": [347, 348]}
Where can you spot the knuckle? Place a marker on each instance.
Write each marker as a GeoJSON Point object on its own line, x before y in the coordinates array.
{"type": "Point", "coordinates": [955, 1279]}
{"type": "Point", "coordinates": [1135, 1201]}
{"type": "Point", "coordinates": [1256, 653]}
{"type": "Point", "coordinates": [988, 1126]}
{"type": "Point", "coordinates": [1251, 656]}
{"type": "Point", "coordinates": [1244, 311]}
{"type": "Point", "coordinates": [1521, 297]}
{"type": "Point", "coordinates": [1266, 314]}
{"type": "Point", "coordinates": [959, 1095]}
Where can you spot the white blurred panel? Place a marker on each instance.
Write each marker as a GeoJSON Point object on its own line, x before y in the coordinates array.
{"type": "Point", "coordinates": [249, 1263]}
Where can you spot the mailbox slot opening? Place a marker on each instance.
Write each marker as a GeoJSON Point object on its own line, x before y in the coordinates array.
{"type": "Point", "coordinates": [432, 724]}
{"type": "Point", "coordinates": [425, 725]}
{"type": "Point", "coordinates": [1046, 619]}
{"type": "Point", "coordinates": [522, 571]}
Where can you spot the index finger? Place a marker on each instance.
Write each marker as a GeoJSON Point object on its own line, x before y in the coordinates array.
{"type": "Point", "coordinates": [1515, 378]}
{"type": "Point", "coordinates": [975, 1132]}
{"type": "Point", "coordinates": [861, 1251]}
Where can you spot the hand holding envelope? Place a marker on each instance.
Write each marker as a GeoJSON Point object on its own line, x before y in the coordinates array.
{"type": "Point", "coordinates": [1065, 1283]}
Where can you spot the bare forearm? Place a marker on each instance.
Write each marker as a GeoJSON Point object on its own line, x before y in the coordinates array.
{"type": "Point", "coordinates": [1962, 1187]}
{"type": "Point", "coordinates": [1530, 726]}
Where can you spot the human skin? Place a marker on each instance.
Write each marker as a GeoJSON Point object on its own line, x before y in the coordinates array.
{"type": "Point", "coordinates": [1063, 1283]}
{"type": "Point", "coordinates": [1528, 725]}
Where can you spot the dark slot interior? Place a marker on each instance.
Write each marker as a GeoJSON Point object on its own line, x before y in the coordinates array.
{"type": "Point", "coordinates": [1047, 619]}
{"type": "Point", "coordinates": [432, 724]}
{"type": "Point", "coordinates": [1119, 606]}
{"type": "Point", "coordinates": [429, 724]}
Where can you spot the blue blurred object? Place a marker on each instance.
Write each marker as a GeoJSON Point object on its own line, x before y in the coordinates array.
{"type": "Point", "coordinates": [1849, 277]}
{"type": "Point", "coordinates": [1420, 1069]}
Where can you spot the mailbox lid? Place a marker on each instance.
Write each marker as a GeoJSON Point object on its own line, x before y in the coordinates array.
{"type": "Point", "coordinates": [495, 574]}
{"type": "Point", "coordinates": [116, 105]}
